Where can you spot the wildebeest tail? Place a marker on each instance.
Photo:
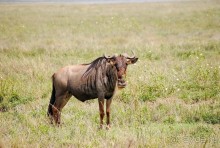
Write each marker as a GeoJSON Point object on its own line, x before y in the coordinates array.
{"type": "Point", "coordinates": [52, 101]}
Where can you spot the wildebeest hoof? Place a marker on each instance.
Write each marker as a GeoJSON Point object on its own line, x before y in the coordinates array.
{"type": "Point", "coordinates": [108, 127]}
{"type": "Point", "coordinates": [100, 127]}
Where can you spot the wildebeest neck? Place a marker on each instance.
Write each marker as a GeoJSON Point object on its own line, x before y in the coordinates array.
{"type": "Point", "coordinates": [99, 78]}
{"type": "Point", "coordinates": [101, 65]}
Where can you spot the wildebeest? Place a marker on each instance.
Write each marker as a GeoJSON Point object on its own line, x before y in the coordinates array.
{"type": "Point", "coordinates": [97, 79]}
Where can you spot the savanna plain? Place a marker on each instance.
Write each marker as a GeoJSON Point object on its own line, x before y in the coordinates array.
{"type": "Point", "coordinates": [172, 98]}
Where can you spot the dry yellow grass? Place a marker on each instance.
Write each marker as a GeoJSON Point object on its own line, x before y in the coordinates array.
{"type": "Point", "coordinates": [172, 98]}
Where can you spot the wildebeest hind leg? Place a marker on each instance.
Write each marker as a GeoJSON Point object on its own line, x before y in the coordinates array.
{"type": "Point", "coordinates": [58, 105]}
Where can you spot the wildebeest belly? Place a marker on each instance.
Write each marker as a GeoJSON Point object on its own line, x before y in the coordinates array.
{"type": "Point", "coordinates": [83, 93]}
{"type": "Point", "coordinates": [84, 97]}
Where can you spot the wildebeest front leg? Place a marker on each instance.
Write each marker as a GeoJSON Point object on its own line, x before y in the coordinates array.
{"type": "Point", "coordinates": [108, 104]}
{"type": "Point", "coordinates": [101, 111]}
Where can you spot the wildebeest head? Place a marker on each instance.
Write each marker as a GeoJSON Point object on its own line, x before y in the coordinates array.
{"type": "Point", "coordinates": [121, 62]}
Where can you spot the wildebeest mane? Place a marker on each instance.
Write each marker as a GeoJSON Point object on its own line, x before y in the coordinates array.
{"type": "Point", "coordinates": [94, 65]}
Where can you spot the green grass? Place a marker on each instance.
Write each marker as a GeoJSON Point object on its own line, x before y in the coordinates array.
{"type": "Point", "coordinates": [172, 98]}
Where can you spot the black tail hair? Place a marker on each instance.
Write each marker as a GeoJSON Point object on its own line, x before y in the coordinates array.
{"type": "Point", "coordinates": [52, 101]}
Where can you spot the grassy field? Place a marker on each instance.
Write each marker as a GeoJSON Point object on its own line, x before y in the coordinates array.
{"type": "Point", "coordinates": [173, 93]}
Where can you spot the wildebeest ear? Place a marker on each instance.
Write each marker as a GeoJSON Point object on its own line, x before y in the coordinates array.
{"type": "Point", "coordinates": [132, 61]}
{"type": "Point", "coordinates": [111, 61]}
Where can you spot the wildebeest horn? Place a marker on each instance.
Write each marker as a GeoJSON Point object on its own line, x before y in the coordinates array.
{"type": "Point", "coordinates": [109, 57]}
{"type": "Point", "coordinates": [129, 57]}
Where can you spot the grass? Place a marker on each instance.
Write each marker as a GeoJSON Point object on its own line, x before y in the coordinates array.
{"type": "Point", "coordinates": [173, 96]}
